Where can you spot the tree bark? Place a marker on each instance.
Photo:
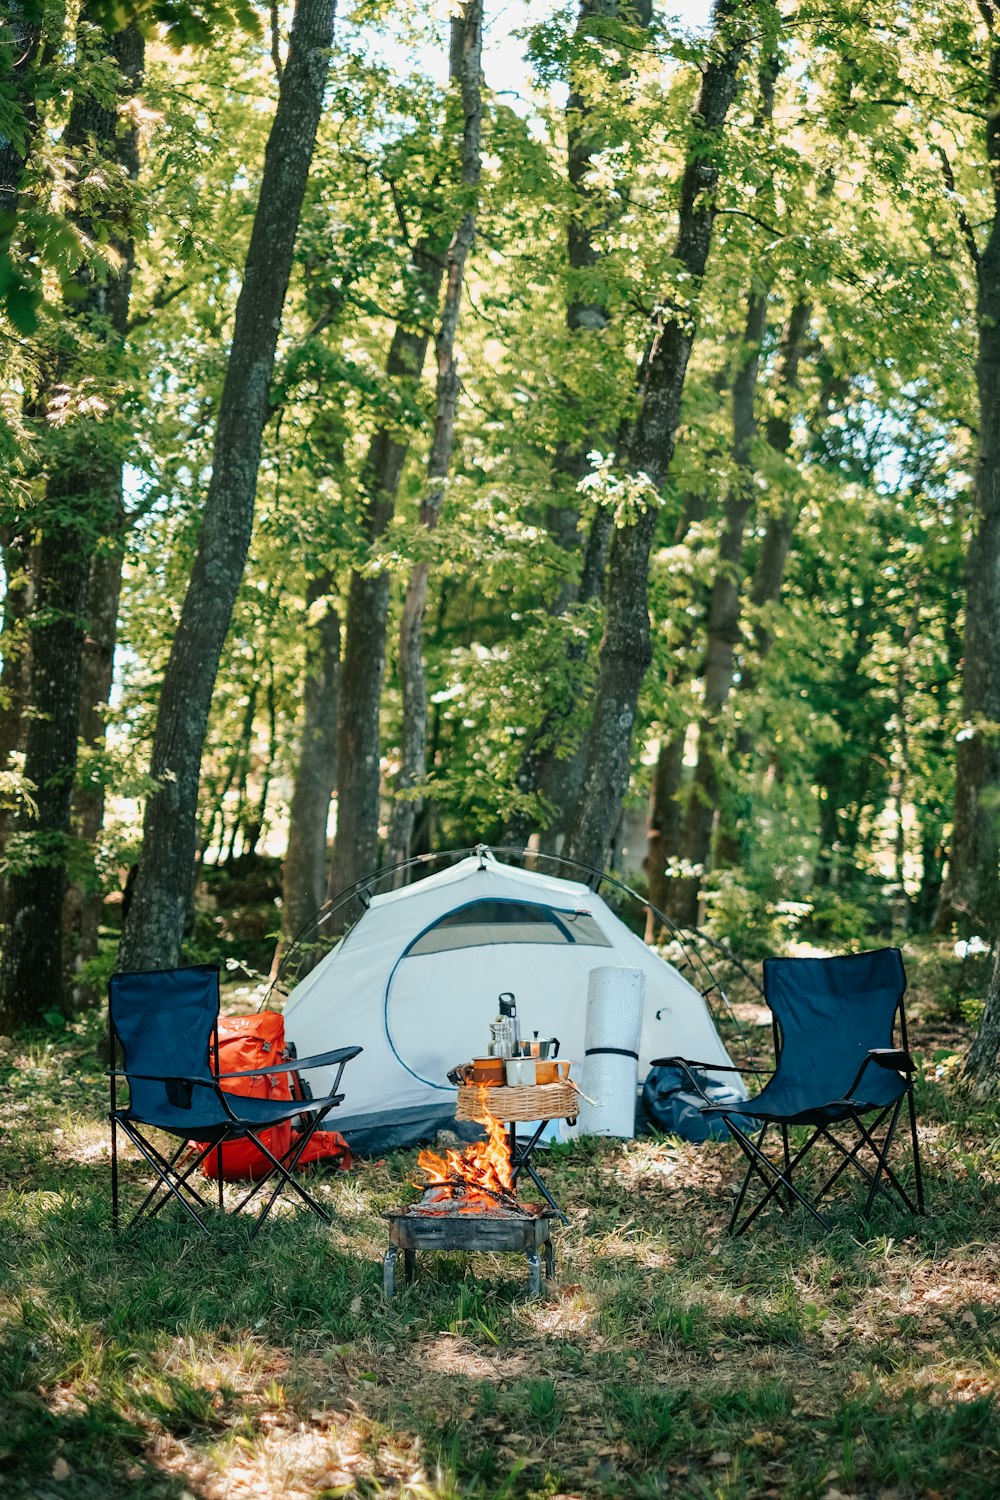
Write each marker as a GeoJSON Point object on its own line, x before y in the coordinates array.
{"type": "Point", "coordinates": [544, 768]}
{"type": "Point", "coordinates": [587, 312]}
{"type": "Point", "coordinates": [666, 817]}
{"type": "Point", "coordinates": [666, 822]}
{"type": "Point", "coordinates": [724, 628]}
{"type": "Point", "coordinates": [355, 847]}
{"type": "Point", "coordinates": [970, 894]}
{"type": "Point", "coordinates": [625, 648]}
{"type": "Point", "coordinates": [466, 61]}
{"type": "Point", "coordinates": [84, 900]}
{"type": "Point", "coordinates": [15, 646]}
{"type": "Point", "coordinates": [304, 875]}
{"type": "Point", "coordinates": [82, 502]}
{"type": "Point", "coordinates": [982, 1066]}
{"type": "Point", "coordinates": [155, 923]}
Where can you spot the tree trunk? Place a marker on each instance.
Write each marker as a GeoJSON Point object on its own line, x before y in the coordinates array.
{"type": "Point", "coordinates": [241, 771]}
{"type": "Point", "coordinates": [970, 895]}
{"type": "Point", "coordinates": [15, 646]}
{"type": "Point", "coordinates": [466, 60]}
{"type": "Point", "coordinates": [587, 136]}
{"type": "Point", "coordinates": [931, 871]}
{"type": "Point", "coordinates": [982, 1065]}
{"type": "Point", "coordinates": [542, 768]}
{"type": "Point", "coordinates": [304, 875]}
{"type": "Point", "coordinates": [155, 923]}
{"type": "Point", "coordinates": [769, 575]}
{"type": "Point", "coordinates": [666, 817]}
{"type": "Point", "coordinates": [625, 648]}
{"type": "Point", "coordinates": [84, 899]}
{"type": "Point", "coordinates": [258, 817]}
{"type": "Point", "coordinates": [359, 740]}
{"type": "Point", "coordinates": [665, 822]}
{"type": "Point", "coordinates": [724, 629]}
{"type": "Point", "coordinates": [82, 502]}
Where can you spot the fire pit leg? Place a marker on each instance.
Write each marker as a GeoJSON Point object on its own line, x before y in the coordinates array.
{"type": "Point", "coordinates": [534, 1273]}
{"type": "Point", "coordinates": [409, 1265]}
{"type": "Point", "coordinates": [389, 1273]}
{"type": "Point", "coordinates": [550, 1260]}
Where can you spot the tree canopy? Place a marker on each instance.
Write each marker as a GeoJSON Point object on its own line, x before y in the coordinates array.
{"type": "Point", "coordinates": [705, 568]}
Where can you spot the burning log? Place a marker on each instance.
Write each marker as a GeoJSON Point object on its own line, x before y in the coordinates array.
{"type": "Point", "coordinates": [457, 1196]}
{"type": "Point", "coordinates": [473, 1179]}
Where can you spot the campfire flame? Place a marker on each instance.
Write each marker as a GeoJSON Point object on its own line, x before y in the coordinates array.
{"type": "Point", "coordinates": [482, 1170]}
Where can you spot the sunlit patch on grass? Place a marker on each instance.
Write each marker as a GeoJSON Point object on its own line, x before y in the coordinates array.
{"type": "Point", "coordinates": [664, 1360]}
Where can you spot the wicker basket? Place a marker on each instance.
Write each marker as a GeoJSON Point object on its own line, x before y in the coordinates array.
{"type": "Point", "coordinates": [537, 1101]}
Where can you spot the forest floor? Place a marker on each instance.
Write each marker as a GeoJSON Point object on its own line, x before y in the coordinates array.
{"type": "Point", "coordinates": [664, 1359]}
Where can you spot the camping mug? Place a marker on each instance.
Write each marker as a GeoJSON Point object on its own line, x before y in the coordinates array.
{"type": "Point", "coordinates": [481, 1070]}
{"type": "Point", "coordinates": [486, 1070]}
{"type": "Point", "coordinates": [519, 1071]}
{"type": "Point", "coordinates": [552, 1071]}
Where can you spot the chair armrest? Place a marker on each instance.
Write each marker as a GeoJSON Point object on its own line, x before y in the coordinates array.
{"type": "Point", "coordinates": [300, 1064]}
{"type": "Point", "coordinates": [685, 1065]}
{"type": "Point", "coordinates": [892, 1059]}
{"type": "Point", "coordinates": [686, 1062]}
{"type": "Point", "coordinates": [204, 1083]}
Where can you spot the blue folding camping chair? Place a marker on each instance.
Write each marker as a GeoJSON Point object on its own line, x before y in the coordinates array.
{"type": "Point", "coordinates": [164, 1025]}
{"type": "Point", "coordinates": [839, 1071]}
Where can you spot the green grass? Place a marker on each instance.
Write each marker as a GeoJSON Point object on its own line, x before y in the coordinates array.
{"type": "Point", "coordinates": [665, 1360]}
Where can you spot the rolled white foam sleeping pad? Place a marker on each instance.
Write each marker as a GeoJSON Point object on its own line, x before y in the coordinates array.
{"type": "Point", "coordinates": [611, 1045]}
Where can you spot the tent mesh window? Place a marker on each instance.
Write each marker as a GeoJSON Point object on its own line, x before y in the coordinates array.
{"type": "Point", "coordinates": [509, 922]}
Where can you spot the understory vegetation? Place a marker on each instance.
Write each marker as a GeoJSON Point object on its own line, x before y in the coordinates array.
{"type": "Point", "coordinates": [664, 1358]}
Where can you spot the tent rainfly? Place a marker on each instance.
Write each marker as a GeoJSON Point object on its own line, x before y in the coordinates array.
{"type": "Point", "coordinates": [415, 982]}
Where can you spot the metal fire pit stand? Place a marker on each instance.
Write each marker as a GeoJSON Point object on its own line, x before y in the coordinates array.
{"type": "Point", "coordinates": [540, 1102]}
{"type": "Point", "coordinates": [520, 1161]}
{"type": "Point", "coordinates": [410, 1232]}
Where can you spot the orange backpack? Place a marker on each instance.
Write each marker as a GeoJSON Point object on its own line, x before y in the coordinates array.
{"type": "Point", "coordinates": [247, 1042]}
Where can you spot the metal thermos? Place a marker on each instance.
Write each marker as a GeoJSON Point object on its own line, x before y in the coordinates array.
{"type": "Point", "coordinates": [501, 1038]}
{"type": "Point", "coordinates": [508, 1009]}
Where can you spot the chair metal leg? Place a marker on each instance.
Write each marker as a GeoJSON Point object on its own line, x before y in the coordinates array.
{"type": "Point", "coordinates": [169, 1173]}
{"type": "Point", "coordinates": [883, 1168]}
{"type": "Point", "coordinates": [168, 1183]}
{"type": "Point", "coordinates": [915, 1147]}
{"type": "Point", "coordinates": [751, 1169]}
{"type": "Point", "coordinates": [761, 1162]}
{"type": "Point", "coordinates": [283, 1167]}
{"type": "Point", "coordinates": [787, 1157]}
{"type": "Point", "coordinates": [115, 1216]}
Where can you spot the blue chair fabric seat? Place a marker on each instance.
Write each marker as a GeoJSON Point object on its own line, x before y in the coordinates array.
{"type": "Point", "coordinates": [165, 1025]}
{"type": "Point", "coordinates": [837, 1060]}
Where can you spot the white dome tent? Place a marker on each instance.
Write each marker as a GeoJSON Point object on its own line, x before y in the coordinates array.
{"type": "Point", "coordinates": [416, 980]}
